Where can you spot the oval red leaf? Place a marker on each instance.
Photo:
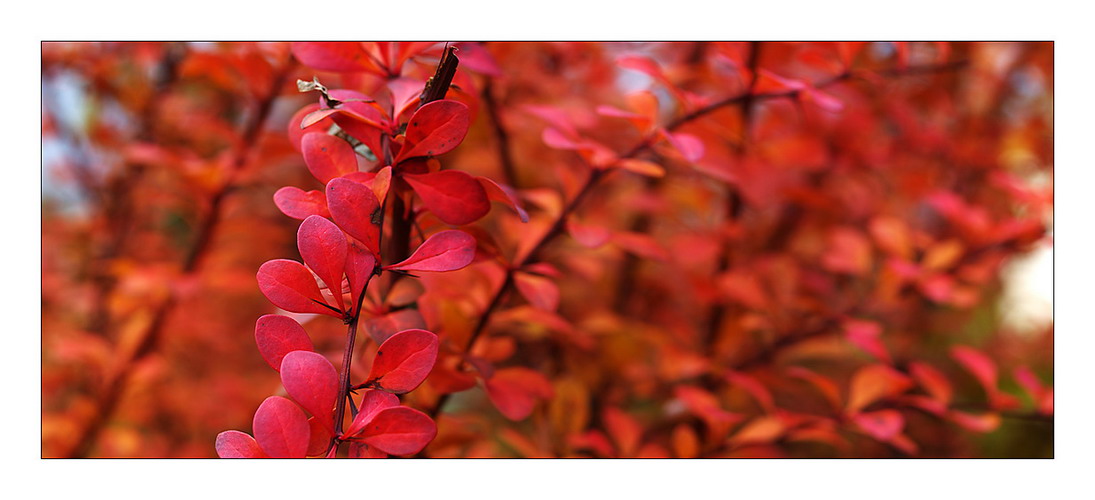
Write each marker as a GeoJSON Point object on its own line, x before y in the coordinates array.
{"type": "Point", "coordinates": [327, 156]}
{"type": "Point", "coordinates": [356, 210]}
{"type": "Point", "coordinates": [236, 444]}
{"type": "Point", "coordinates": [324, 249]}
{"type": "Point", "coordinates": [453, 196]}
{"type": "Point", "coordinates": [436, 128]}
{"type": "Point", "coordinates": [400, 431]}
{"type": "Point", "coordinates": [319, 439]}
{"type": "Point", "coordinates": [504, 195]}
{"type": "Point", "coordinates": [445, 251]}
{"type": "Point", "coordinates": [291, 286]}
{"type": "Point", "coordinates": [371, 404]}
{"type": "Point", "coordinates": [281, 428]}
{"type": "Point", "coordinates": [312, 381]}
{"type": "Point", "coordinates": [277, 336]}
{"type": "Point", "coordinates": [404, 360]}
{"type": "Point", "coordinates": [297, 131]}
{"type": "Point", "coordinates": [299, 204]}
{"type": "Point", "coordinates": [333, 56]}
{"type": "Point", "coordinates": [360, 264]}
{"type": "Point", "coordinates": [514, 391]}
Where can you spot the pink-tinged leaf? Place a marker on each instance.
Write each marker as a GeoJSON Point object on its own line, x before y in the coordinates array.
{"type": "Point", "coordinates": [444, 251]}
{"type": "Point", "coordinates": [360, 265]}
{"type": "Point", "coordinates": [882, 425]}
{"type": "Point", "coordinates": [327, 156]}
{"type": "Point", "coordinates": [404, 360]}
{"type": "Point", "coordinates": [281, 428]}
{"type": "Point", "coordinates": [436, 128]}
{"type": "Point", "coordinates": [319, 115]}
{"type": "Point", "coordinates": [319, 436]}
{"type": "Point", "coordinates": [405, 93]}
{"type": "Point", "coordinates": [371, 404]}
{"type": "Point", "coordinates": [333, 56]}
{"type": "Point", "coordinates": [553, 116]}
{"type": "Point", "coordinates": [399, 431]}
{"type": "Point", "coordinates": [824, 100]}
{"type": "Point", "coordinates": [514, 391]}
{"type": "Point", "coordinates": [984, 370]}
{"type": "Point", "coordinates": [688, 145]}
{"type": "Point", "coordinates": [504, 195]}
{"type": "Point", "coordinates": [277, 336]}
{"type": "Point", "coordinates": [312, 381]}
{"type": "Point", "coordinates": [291, 286]}
{"type": "Point", "coordinates": [356, 210]}
{"type": "Point", "coordinates": [541, 292]}
{"type": "Point", "coordinates": [588, 236]}
{"type": "Point", "coordinates": [453, 196]}
{"type": "Point", "coordinates": [978, 364]}
{"type": "Point", "coordinates": [297, 132]}
{"type": "Point", "coordinates": [236, 444]}
{"type": "Point", "coordinates": [299, 204]}
{"type": "Point", "coordinates": [933, 382]}
{"type": "Point", "coordinates": [324, 248]}
{"type": "Point", "coordinates": [867, 336]}
{"type": "Point", "coordinates": [478, 59]}
{"type": "Point", "coordinates": [381, 328]}
{"type": "Point", "coordinates": [642, 167]}
{"type": "Point", "coordinates": [771, 83]}
{"type": "Point", "coordinates": [875, 382]}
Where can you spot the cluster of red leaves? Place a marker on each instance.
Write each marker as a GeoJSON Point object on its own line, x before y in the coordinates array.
{"type": "Point", "coordinates": [729, 249]}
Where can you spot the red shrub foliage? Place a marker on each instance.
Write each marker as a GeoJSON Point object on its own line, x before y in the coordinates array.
{"type": "Point", "coordinates": [691, 249]}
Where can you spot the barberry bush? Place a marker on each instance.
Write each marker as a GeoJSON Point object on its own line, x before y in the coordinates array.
{"type": "Point", "coordinates": [518, 249]}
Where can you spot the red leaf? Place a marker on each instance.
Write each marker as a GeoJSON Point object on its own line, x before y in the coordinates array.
{"type": "Point", "coordinates": [875, 382]}
{"type": "Point", "coordinates": [277, 336]}
{"type": "Point", "coordinates": [356, 210]}
{"type": "Point", "coordinates": [866, 335]}
{"type": "Point", "coordinates": [297, 132]}
{"type": "Point", "coordinates": [371, 404]}
{"type": "Point", "coordinates": [360, 265]}
{"type": "Point", "coordinates": [300, 204]}
{"type": "Point", "coordinates": [588, 236]}
{"type": "Point", "coordinates": [291, 286]}
{"type": "Point", "coordinates": [445, 251]}
{"type": "Point", "coordinates": [281, 428]}
{"type": "Point", "coordinates": [453, 196]}
{"type": "Point", "coordinates": [323, 247]}
{"type": "Point", "coordinates": [935, 383]}
{"type": "Point", "coordinates": [404, 360]}
{"type": "Point", "coordinates": [882, 425]}
{"type": "Point", "coordinates": [541, 292]}
{"type": "Point", "coordinates": [514, 391]}
{"type": "Point", "coordinates": [504, 195]}
{"type": "Point", "coordinates": [236, 444]}
{"type": "Point", "coordinates": [624, 430]}
{"type": "Point", "coordinates": [400, 431]}
{"type": "Point", "coordinates": [312, 381]}
{"type": "Point", "coordinates": [436, 128]}
{"type": "Point", "coordinates": [319, 438]}
{"type": "Point", "coordinates": [333, 56]}
{"type": "Point", "coordinates": [381, 328]}
{"type": "Point", "coordinates": [690, 146]}
{"type": "Point", "coordinates": [327, 156]}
